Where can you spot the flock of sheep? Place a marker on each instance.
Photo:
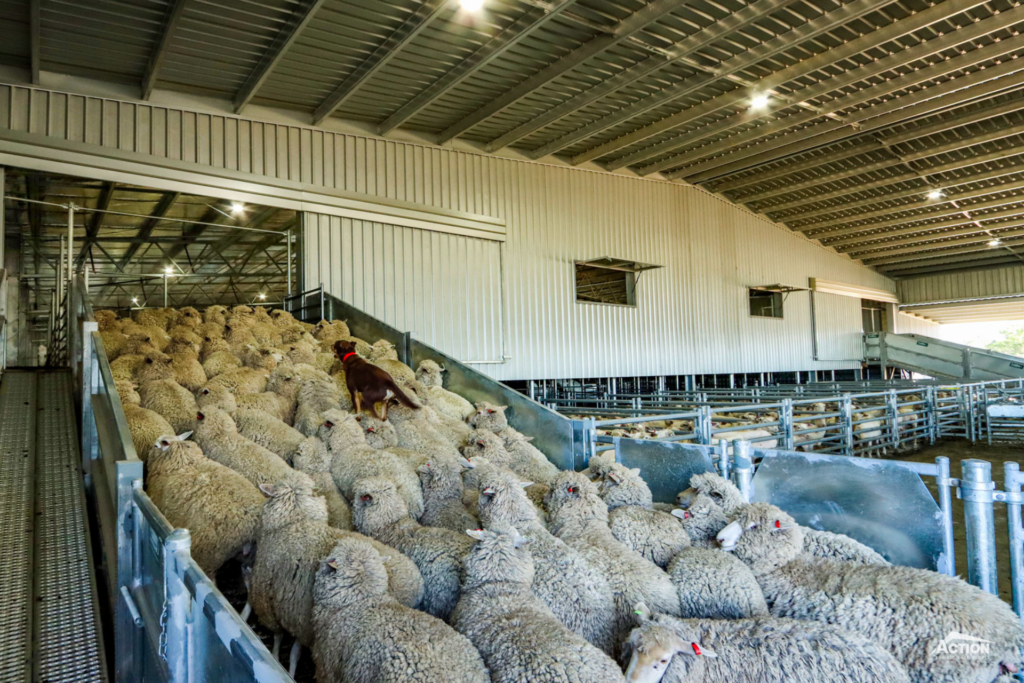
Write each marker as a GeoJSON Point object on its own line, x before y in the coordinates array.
{"type": "Point", "coordinates": [441, 545]}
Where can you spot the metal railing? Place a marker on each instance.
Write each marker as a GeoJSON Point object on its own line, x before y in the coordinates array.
{"type": "Point", "coordinates": [170, 621]}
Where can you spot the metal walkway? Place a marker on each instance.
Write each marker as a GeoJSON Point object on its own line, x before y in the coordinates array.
{"type": "Point", "coordinates": [939, 358]}
{"type": "Point", "coordinates": [49, 628]}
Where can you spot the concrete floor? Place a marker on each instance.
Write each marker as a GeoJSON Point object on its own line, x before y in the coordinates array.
{"type": "Point", "coordinates": [957, 450]}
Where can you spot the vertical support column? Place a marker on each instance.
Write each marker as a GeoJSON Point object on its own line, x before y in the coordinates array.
{"type": "Point", "coordinates": [743, 466]}
{"type": "Point", "coordinates": [846, 408]}
{"type": "Point", "coordinates": [177, 649]}
{"type": "Point", "coordinates": [966, 362]}
{"type": "Point", "coordinates": [786, 417]}
{"type": "Point", "coordinates": [71, 242]}
{"type": "Point", "coordinates": [1012, 483]}
{"type": "Point", "coordinates": [704, 431]}
{"type": "Point", "coordinates": [723, 458]}
{"type": "Point", "coordinates": [288, 238]}
{"type": "Point", "coordinates": [892, 408]}
{"type": "Point", "coordinates": [128, 634]}
{"type": "Point", "coordinates": [931, 412]}
{"type": "Point", "coordinates": [948, 564]}
{"type": "Point", "coordinates": [90, 446]}
{"type": "Point", "coordinates": [976, 489]}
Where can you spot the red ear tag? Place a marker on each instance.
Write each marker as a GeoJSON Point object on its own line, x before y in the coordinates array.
{"type": "Point", "coordinates": [572, 489]}
{"type": "Point", "coordinates": [696, 649]}
{"type": "Point", "coordinates": [778, 524]}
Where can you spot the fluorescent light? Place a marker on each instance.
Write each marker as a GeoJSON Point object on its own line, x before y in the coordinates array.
{"type": "Point", "coordinates": [169, 270]}
{"type": "Point", "coordinates": [263, 297]}
{"type": "Point", "coordinates": [759, 101]}
{"type": "Point", "coordinates": [994, 243]}
{"type": "Point", "coordinates": [471, 5]}
{"type": "Point", "coordinates": [135, 300]}
{"type": "Point", "coordinates": [935, 194]}
{"type": "Point", "coordinates": [237, 208]}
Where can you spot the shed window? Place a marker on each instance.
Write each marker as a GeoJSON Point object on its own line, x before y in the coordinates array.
{"type": "Point", "coordinates": [765, 303]}
{"type": "Point", "coordinates": [595, 284]}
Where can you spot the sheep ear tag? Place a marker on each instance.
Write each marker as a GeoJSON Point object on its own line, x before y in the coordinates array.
{"type": "Point", "coordinates": [333, 564]}
{"type": "Point", "coordinates": [478, 534]}
{"type": "Point", "coordinates": [681, 514]}
{"type": "Point", "coordinates": [701, 652]}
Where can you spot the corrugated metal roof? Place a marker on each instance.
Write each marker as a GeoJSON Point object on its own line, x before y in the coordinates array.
{"type": "Point", "coordinates": [871, 104]}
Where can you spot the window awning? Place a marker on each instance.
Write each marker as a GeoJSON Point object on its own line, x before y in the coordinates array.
{"type": "Point", "coordinates": [856, 291]}
{"type": "Point", "coordinates": [784, 289]}
{"type": "Point", "coordinates": [624, 265]}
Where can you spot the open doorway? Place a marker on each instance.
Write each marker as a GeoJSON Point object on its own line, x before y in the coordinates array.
{"type": "Point", "coordinates": [138, 247]}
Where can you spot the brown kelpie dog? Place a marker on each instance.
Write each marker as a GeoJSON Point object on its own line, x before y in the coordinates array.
{"type": "Point", "coordinates": [367, 382]}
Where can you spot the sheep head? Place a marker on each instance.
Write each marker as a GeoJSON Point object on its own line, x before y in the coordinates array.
{"type": "Point", "coordinates": [657, 645]}
{"type": "Point", "coordinates": [312, 456]}
{"type": "Point", "coordinates": [624, 486]}
{"type": "Point", "coordinates": [490, 417]}
{"type": "Point", "coordinates": [573, 500]}
{"type": "Point", "coordinates": [500, 555]}
{"type": "Point", "coordinates": [429, 374]}
{"type": "Point", "coordinates": [354, 570]}
{"type": "Point", "coordinates": [503, 500]}
{"type": "Point", "coordinates": [217, 396]}
{"type": "Point", "coordinates": [378, 434]}
{"type": "Point", "coordinates": [713, 488]}
{"type": "Point", "coordinates": [376, 504]}
{"type": "Point", "coordinates": [291, 501]}
{"type": "Point", "coordinates": [339, 429]}
{"type": "Point", "coordinates": [702, 521]}
{"type": "Point", "coordinates": [763, 537]}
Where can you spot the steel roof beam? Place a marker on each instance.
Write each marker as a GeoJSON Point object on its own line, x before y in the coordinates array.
{"type": "Point", "coordinates": [967, 246]}
{"type": "Point", "coordinates": [865, 243]}
{"type": "Point", "coordinates": [96, 220]}
{"type": "Point", "coordinates": [814, 28]}
{"type": "Point", "coordinates": [632, 24]}
{"type": "Point", "coordinates": [35, 32]}
{"type": "Point", "coordinates": [956, 241]}
{"type": "Point", "coordinates": [413, 25]}
{"type": "Point", "coordinates": [236, 236]}
{"type": "Point", "coordinates": [283, 42]}
{"type": "Point", "coordinates": [894, 61]}
{"type": "Point", "coordinates": [493, 49]}
{"type": "Point", "coordinates": [162, 208]}
{"type": "Point", "coordinates": [957, 265]}
{"type": "Point", "coordinates": [950, 94]}
{"type": "Point", "coordinates": [677, 52]}
{"type": "Point", "coordinates": [175, 12]}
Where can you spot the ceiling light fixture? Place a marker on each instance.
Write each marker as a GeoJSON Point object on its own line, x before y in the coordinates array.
{"type": "Point", "coordinates": [135, 300]}
{"type": "Point", "coordinates": [994, 243]}
{"type": "Point", "coordinates": [238, 208]}
{"type": "Point", "coordinates": [471, 5]}
{"type": "Point", "coordinates": [263, 297]}
{"type": "Point", "coordinates": [759, 101]}
{"type": "Point", "coordinates": [169, 271]}
{"type": "Point", "coordinates": [935, 194]}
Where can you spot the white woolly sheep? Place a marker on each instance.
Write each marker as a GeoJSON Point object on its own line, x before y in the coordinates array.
{"type": "Point", "coordinates": [315, 397]}
{"type": "Point", "coordinates": [718, 491]}
{"type": "Point", "coordinates": [655, 535]}
{"type": "Point", "coordinates": [579, 517]}
{"type": "Point", "coordinates": [527, 460]}
{"type": "Point", "coordinates": [216, 434]}
{"type": "Point", "coordinates": [173, 401]}
{"type": "Point", "coordinates": [713, 584]}
{"type": "Point", "coordinates": [271, 403]}
{"type": "Point", "coordinates": [263, 357]}
{"type": "Point", "coordinates": [489, 417]}
{"type": "Point", "coordinates": [441, 480]}
{"type": "Point", "coordinates": [384, 356]}
{"type": "Point", "coordinates": [443, 401]}
{"type": "Point", "coordinates": [313, 458]}
{"type": "Point", "coordinates": [293, 538]}
{"type": "Point", "coordinates": [217, 396]}
{"type": "Point", "coordinates": [219, 362]}
{"type": "Point", "coordinates": [906, 610]}
{"type": "Point", "coordinates": [664, 648]}
{"type": "Point", "coordinates": [242, 381]}
{"type": "Point", "coordinates": [187, 371]}
{"type": "Point", "coordinates": [219, 507]}
{"type": "Point", "coordinates": [518, 636]}
{"type": "Point", "coordinates": [269, 432]}
{"type": "Point", "coordinates": [126, 391]}
{"type": "Point", "coordinates": [125, 367]}
{"type": "Point", "coordinates": [573, 589]}
{"type": "Point", "coordinates": [145, 426]}
{"type": "Point", "coordinates": [379, 512]}
{"type": "Point", "coordinates": [155, 366]}
{"type": "Point", "coordinates": [352, 459]}
{"type": "Point", "coordinates": [363, 635]}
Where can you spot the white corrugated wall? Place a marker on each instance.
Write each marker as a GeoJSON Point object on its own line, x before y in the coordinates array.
{"type": "Point", "coordinates": [692, 314]}
{"type": "Point", "coordinates": [911, 324]}
{"type": "Point", "coordinates": [969, 285]}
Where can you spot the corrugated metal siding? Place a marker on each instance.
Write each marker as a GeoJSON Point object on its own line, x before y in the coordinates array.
{"type": "Point", "coordinates": [908, 324]}
{"type": "Point", "coordinates": [840, 328]}
{"type": "Point", "coordinates": [969, 285]}
{"type": "Point", "coordinates": [445, 289]}
{"type": "Point", "coordinates": [692, 315]}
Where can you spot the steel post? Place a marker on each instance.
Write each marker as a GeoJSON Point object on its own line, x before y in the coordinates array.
{"type": "Point", "coordinates": [288, 238]}
{"type": "Point", "coordinates": [89, 377]}
{"type": "Point", "coordinates": [176, 646]}
{"type": "Point", "coordinates": [1012, 483]}
{"type": "Point", "coordinates": [743, 468]}
{"type": "Point", "coordinates": [846, 408]}
{"type": "Point", "coordinates": [723, 458]}
{"type": "Point", "coordinates": [786, 417]}
{"type": "Point", "coordinates": [947, 565]}
{"type": "Point", "coordinates": [976, 490]}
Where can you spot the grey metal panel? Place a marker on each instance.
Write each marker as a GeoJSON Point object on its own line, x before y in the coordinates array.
{"type": "Point", "coordinates": [880, 503]}
{"type": "Point", "coordinates": [666, 467]}
{"type": "Point", "coordinates": [996, 282]}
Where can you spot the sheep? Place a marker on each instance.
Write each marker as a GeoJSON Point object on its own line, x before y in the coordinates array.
{"type": "Point", "coordinates": [328, 331]}
{"type": "Point", "coordinates": [217, 435]}
{"type": "Point", "coordinates": [663, 648]}
{"type": "Point", "coordinates": [271, 403]}
{"type": "Point", "coordinates": [363, 635]}
{"type": "Point", "coordinates": [293, 538]}
{"type": "Point", "coordinates": [904, 609]}
{"type": "Point", "coordinates": [126, 391]}
{"type": "Point", "coordinates": [155, 365]}
{"type": "Point", "coordinates": [145, 426]}
{"type": "Point", "coordinates": [113, 343]}
{"type": "Point", "coordinates": [313, 459]}
{"type": "Point", "coordinates": [384, 356]}
{"type": "Point", "coordinates": [441, 480]}
{"type": "Point", "coordinates": [269, 432]}
{"type": "Point", "coordinates": [489, 417]}
{"type": "Point", "coordinates": [187, 317]}
{"type": "Point", "coordinates": [219, 507]}
{"type": "Point", "coordinates": [215, 314]}
{"type": "Point", "coordinates": [187, 371]}
{"type": "Point", "coordinates": [263, 357]}
{"type": "Point", "coordinates": [720, 492]}
{"type": "Point", "coordinates": [518, 636]}
{"type": "Point", "coordinates": [715, 585]}
{"type": "Point", "coordinates": [126, 366]}
{"type": "Point", "coordinates": [443, 401]}
{"type": "Point", "coordinates": [573, 588]}
{"type": "Point", "coordinates": [416, 433]}
{"type": "Point", "coordinates": [173, 401]}
{"type": "Point", "coordinates": [210, 331]}
{"type": "Point", "coordinates": [527, 460]}
{"type": "Point", "coordinates": [217, 396]}
{"type": "Point", "coordinates": [599, 465]}
{"type": "Point", "coordinates": [702, 520]}
{"type": "Point", "coordinates": [380, 512]}
{"type": "Point", "coordinates": [282, 318]}
{"type": "Point", "coordinates": [242, 380]}
{"type": "Point", "coordinates": [105, 320]}
{"type": "Point", "coordinates": [315, 396]}
{"type": "Point", "coordinates": [580, 518]}
{"type": "Point", "coordinates": [352, 459]}
{"type": "Point", "coordinates": [220, 362]}
{"type": "Point", "coordinates": [655, 535]}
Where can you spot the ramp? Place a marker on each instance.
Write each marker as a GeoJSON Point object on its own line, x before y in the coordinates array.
{"type": "Point", "coordinates": [940, 359]}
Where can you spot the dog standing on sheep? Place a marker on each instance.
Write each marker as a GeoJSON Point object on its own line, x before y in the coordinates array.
{"type": "Point", "coordinates": [367, 382]}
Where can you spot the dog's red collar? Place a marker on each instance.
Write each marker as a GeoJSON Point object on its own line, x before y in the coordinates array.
{"type": "Point", "coordinates": [347, 355]}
